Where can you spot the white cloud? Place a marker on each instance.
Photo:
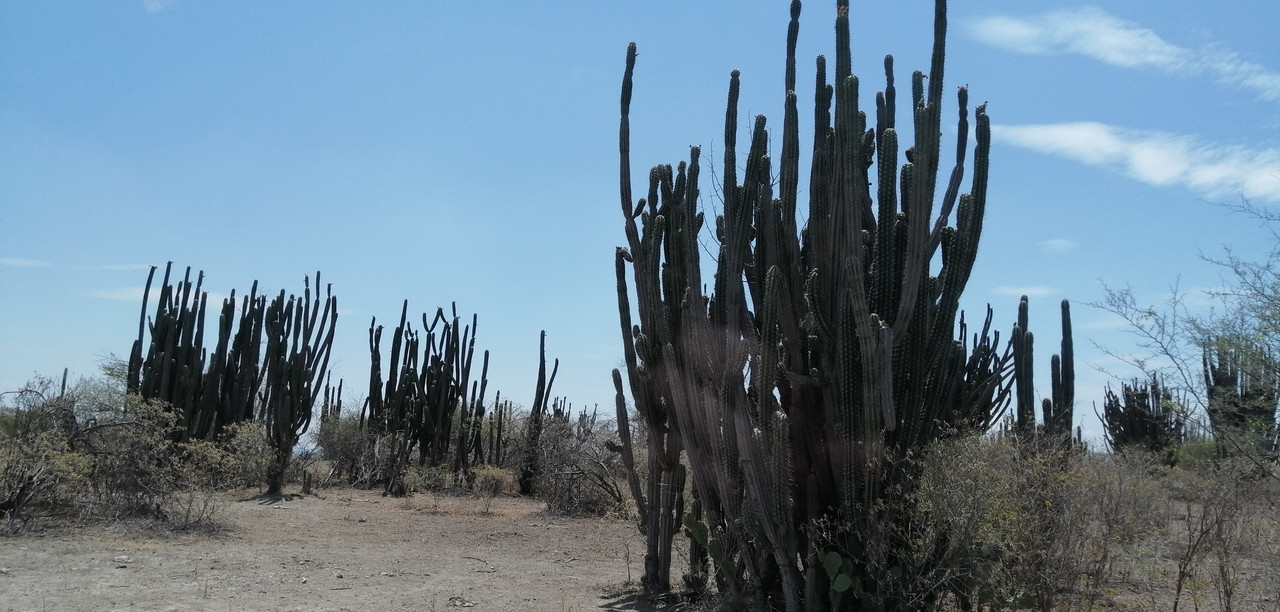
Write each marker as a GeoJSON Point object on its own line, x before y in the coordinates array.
{"type": "Point", "coordinates": [1057, 245]}
{"type": "Point", "coordinates": [134, 294]}
{"type": "Point", "coordinates": [119, 267]}
{"type": "Point", "coordinates": [1031, 291]}
{"type": "Point", "coordinates": [1157, 158]}
{"type": "Point", "coordinates": [1094, 33]}
{"type": "Point", "coordinates": [20, 262]}
{"type": "Point", "coordinates": [1106, 323]}
{"type": "Point", "coordinates": [152, 6]}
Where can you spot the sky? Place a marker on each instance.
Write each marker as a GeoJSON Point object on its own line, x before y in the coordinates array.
{"type": "Point", "coordinates": [466, 152]}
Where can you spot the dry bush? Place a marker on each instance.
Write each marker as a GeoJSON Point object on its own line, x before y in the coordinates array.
{"type": "Point", "coordinates": [581, 473]}
{"type": "Point", "coordinates": [1224, 537]}
{"type": "Point", "coordinates": [419, 478]}
{"type": "Point", "coordinates": [492, 481]}
{"type": "Point", "coordinates": [1006, 525]}
{"type": "Point", "coordinates": [355, 456]}
{"type": "Point", "coordinates": [1011, 526]}
{"type": "Point", "coordinates": [36, 471]}
{"type": "Point", "coordinates": [249, 454]}
{"type": "Point", "coordinates": [109, 463]}
{"type": "Point", "coordinates": [136, 470]}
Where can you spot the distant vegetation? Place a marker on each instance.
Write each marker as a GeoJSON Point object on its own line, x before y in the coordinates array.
{"type": "Point", "coordinates": [817, 426]}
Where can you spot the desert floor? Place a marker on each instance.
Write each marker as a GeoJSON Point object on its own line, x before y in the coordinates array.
{"type": "Point", "coordinates": [336, 550]}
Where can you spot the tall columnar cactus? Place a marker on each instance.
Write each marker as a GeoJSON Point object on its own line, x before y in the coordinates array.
{"type": "Point", "coordinates": [208, 391]}
{"type": "Point", "coordinates": [532, 467]}
{"type": "Point", "coordinates": [1023, 372]}
{"type": "Point", "coordinates": [1143, 416]}
{"type": "Point", "coordinates": [174, 368]}
{"type": "Point", "coordinates": [1242, 380]}
{"type": "Point", "coordinates": [425, 386]}
{"type": "Point", "coordinates": [824, 354]}
{"type": "Point", "coordinates": [299, 333]}
{"type": "Point", "coordinates": [1057, 410]}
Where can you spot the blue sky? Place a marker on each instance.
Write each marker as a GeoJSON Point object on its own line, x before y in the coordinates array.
{"type": "Point", "coordinates": [467, 151]}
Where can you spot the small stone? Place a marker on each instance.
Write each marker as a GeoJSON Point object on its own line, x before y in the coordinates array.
{"type": "Point", "coordinates": [123, 559]}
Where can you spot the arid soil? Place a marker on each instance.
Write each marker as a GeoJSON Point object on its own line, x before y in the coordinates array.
{"type": "Point", "coordinates": [337, 550]}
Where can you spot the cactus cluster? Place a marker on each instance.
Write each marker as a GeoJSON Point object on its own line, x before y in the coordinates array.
{"type": "Point", "coordinates": [427, 384]}
{"type": "Point", "coordinates": [299, 339]}
{"type": "Point", "coordinates": [169, 361]}
{"type": "Point", "coordinates": [824, 354]}
{"type": "Point", "coordinates": [1242, 381]}
{"type": "Point", "coordinates": [1145, 416]}
{"type": "Point", "coordinates": [1057, 410]}
{"type": "Point", "coordinates": [243, 378]}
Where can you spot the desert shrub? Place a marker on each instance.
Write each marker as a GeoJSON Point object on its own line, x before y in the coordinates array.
{"type": "Point", "coordinates": [1197, 453]}
{"type": "Point", "coordinates": [98, 460]}
{"type": "Point", "coordinates": [136, 470]}
{"type": "Point", "coordinates": [492, 481]}
{"type": "Point", "coordinates": [581, 472]}
{"type": "Point", "coordinates": [998, 524]}
{"type": "Point", "coordinates": [1223, 536]}
{"type": "Point", "coordinates": [1006, 525]}
{"type": "Point", "coordinates": [36, 471]}
{"type": "Point", "coordinates": [1120, 517]}
{"type": "Point", "coordinates": [355, 456]}
{"type": "Point", "coordinates": [968, 531]}
{"type": "Point", "coordinates": [418, 478]}
{"type": "Point", "coordinates": [249, 455]}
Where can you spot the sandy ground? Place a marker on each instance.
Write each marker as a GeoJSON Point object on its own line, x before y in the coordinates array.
{"type": "Point", "coordinates": [338, 550]}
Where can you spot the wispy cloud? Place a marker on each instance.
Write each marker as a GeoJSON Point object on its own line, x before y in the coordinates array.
{"type": "Point", "coordinates": [1031, 291]}
{"type": "Point", "coordinates": [1157, 158]}
{"type": "Point", "coordinates": [1057, 245]}
{"type": "Point", "coordinates": [122, 267]}
{"type": "Point", "coordinates": [1106, 323]}
{"type": "Point", "coordinates": [1094, 33]}
{"type": "Point", "coordinates": [21, 262]}
{"type": "Point", "coordinates": [152, 6]}
{"type": "Point", "coordinates": [133, 294]}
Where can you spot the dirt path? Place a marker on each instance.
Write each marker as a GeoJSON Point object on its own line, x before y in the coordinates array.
{"type": "Point", "coordinates": [340, 550]}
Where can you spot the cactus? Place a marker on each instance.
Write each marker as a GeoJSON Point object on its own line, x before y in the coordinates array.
{"type": "Point", "coordinates": [1143, 416]}
{"type": "Point", "coordinates": [426, 385]}
{"type": "Point", "coordinates": [495, 452]}
{"type": "Point", "coordinates": [1023, 372]}
{"type": "Point", "coordinates": [533, 433]}
{"type": "Point", "coordinates": [1242, 386]}
{"type": "Point", "coordinates": [823, 355]}
{"type": "Point", "coordinates": [208, 391]}
{"type": "Point", "coordinates": [299, 334]}
{"type": "Point", "coordinates": [1057, 410]}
